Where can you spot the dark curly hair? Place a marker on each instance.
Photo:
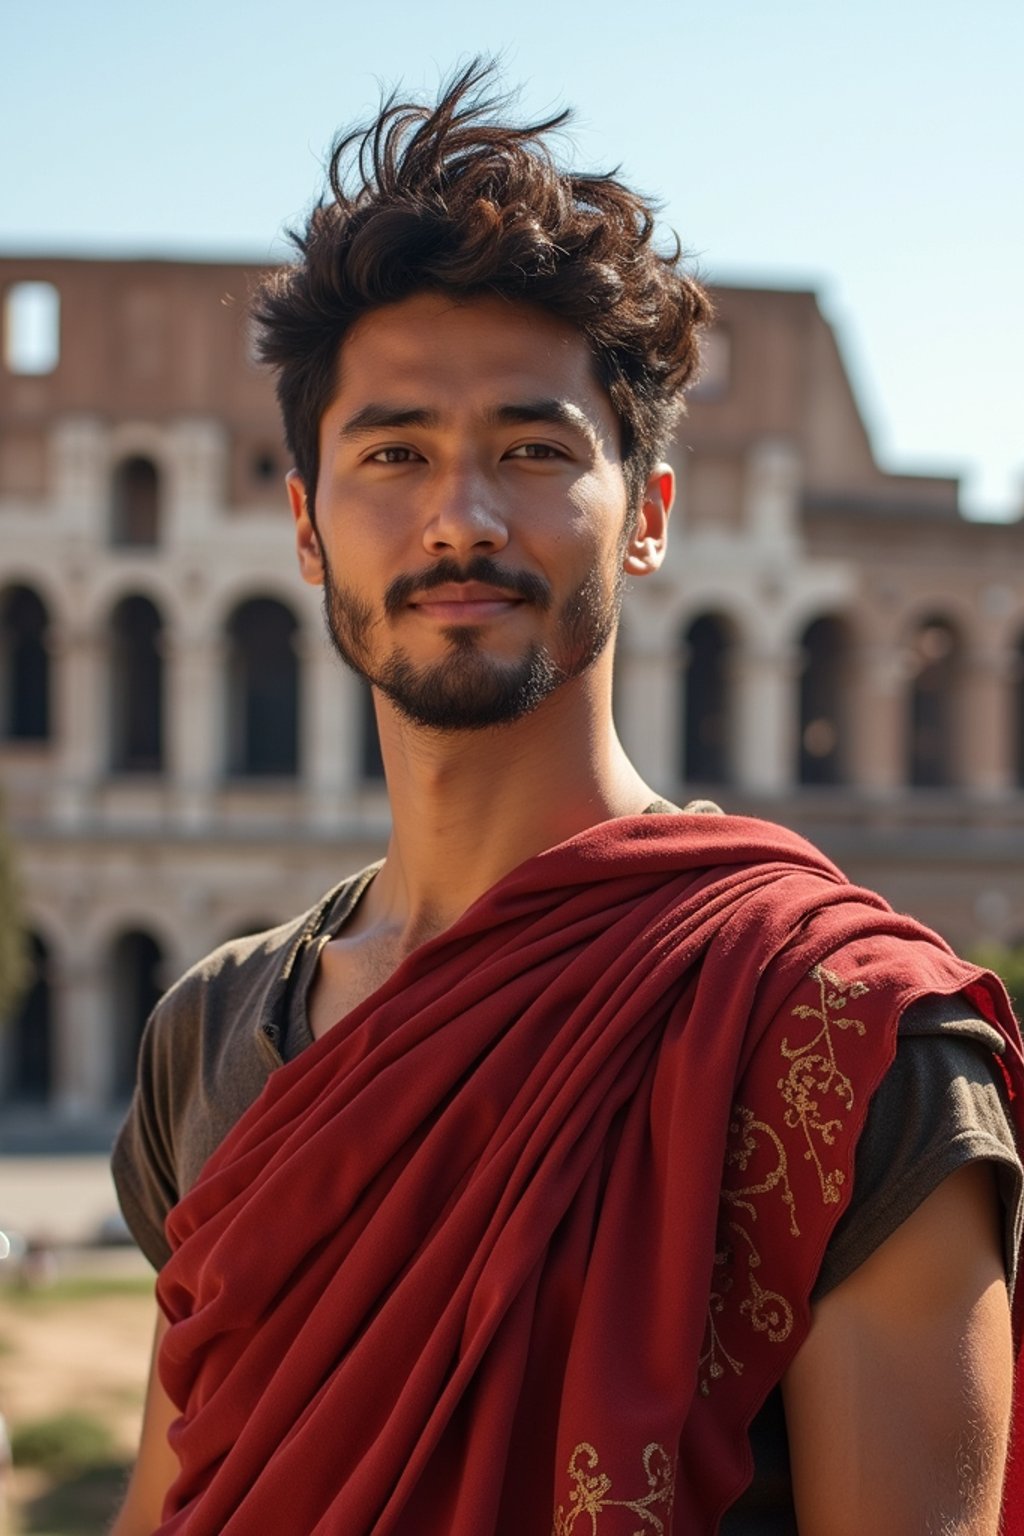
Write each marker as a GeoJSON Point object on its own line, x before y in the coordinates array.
{"type": "Point", "coordinates": [451, 199]}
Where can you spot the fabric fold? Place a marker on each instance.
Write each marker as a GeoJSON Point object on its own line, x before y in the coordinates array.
{"type": "Point", "coordinates": [523, 1242]}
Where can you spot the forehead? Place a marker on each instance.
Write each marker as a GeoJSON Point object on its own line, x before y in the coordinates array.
{"type": "Point", "coordinates": [434, 349]}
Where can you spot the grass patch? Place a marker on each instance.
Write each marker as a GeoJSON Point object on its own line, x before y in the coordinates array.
{"type": "Point", "coordinates": [82, 1505]}
{"type": "Point", "coordinates": [82, 1288]}
{"type": "Point", "coordinates": [62, 1445]}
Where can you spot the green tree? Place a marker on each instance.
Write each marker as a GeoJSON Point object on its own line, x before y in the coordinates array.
{"type": "Point", "coordinates": [13, 953]}
{"type": "Point", "coordinates": [1008, 964]}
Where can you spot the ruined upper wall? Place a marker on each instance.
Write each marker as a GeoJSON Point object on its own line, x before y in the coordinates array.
{"type": "Point", "coordinates": [154, 340]}
{"type": "Point", "coordinates": [776, 372]}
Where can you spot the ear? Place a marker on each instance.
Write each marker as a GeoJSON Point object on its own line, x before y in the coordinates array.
{"type": "Point", "coordinates": [307, 544]}
{"type": "Point", "coordinates": [645, 550]}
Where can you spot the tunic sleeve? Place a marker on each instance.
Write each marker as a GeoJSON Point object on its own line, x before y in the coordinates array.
{"type": "Point", "coordinates": [942, 1104]}
{"type": "Point", "coordinates": [142, 1162]}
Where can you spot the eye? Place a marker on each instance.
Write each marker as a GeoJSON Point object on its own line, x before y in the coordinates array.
{"type": "Point", "coordinates": [535, 451]}
{"type": "Point", "coordinates": [395, 455]}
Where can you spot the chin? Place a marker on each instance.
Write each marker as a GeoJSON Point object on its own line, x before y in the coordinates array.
{"type": "Point", "coordinates": [468, 691]}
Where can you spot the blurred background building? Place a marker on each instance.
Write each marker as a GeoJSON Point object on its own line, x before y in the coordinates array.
{"type": "Point", "coordinates": [183, 759]}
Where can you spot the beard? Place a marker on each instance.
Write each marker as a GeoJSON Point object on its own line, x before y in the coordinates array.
{"type": "Point", "coordinates": [467, 689]}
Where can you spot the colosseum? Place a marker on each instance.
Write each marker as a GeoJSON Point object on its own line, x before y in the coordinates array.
{"type": "Point", "coordinates": [829, 645]}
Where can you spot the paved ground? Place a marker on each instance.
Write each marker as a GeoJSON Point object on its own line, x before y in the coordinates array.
{"type": "Point", "coordinates": [58, 1199]}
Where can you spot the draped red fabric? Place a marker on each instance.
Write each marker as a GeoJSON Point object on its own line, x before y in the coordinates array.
{"type": "Point", "coordinates": [524, 1242]}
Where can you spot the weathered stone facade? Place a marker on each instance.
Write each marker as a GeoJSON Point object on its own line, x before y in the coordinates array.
{"type": "Point", "coordinates": [829, 645]}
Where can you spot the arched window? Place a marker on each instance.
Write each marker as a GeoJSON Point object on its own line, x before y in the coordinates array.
{"type": "Point", "coordinates": [932, 705]}
{"type": "Point", "coordinates": [135, 508]}
{"type": "Point", "coordinates": [371, 763]}
{"type": "Point", "coordinates": [136, 961]}
{"type": "Point", "coordinates": [136, 687]}
{"type": "Point", "coordinates": [24, 667]}
{"type": "Point", "coordinates": [263, 690]}
{"type": "Point", "coordinates": [707, 707]}
{"type": "Point", "coordinates": [823, 665]}
{"type": "Point", "coordinates": [29, 1074]}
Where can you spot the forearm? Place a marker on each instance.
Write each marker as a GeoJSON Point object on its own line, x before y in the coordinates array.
{"type": "Point", "coordinates": [156, 1465]}
{"type": "Point", "coordinates": [131, 1521]}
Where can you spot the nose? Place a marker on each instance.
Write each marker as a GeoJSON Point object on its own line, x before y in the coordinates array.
{"type": "Point", "coordinates": [464, 516]}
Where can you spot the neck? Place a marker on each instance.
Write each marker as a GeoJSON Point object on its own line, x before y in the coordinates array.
{"type": "Point", "coordinates": [469, 806]}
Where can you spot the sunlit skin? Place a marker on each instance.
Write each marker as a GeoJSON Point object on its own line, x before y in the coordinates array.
{"type": "Point", "coordinates": [462, 430]}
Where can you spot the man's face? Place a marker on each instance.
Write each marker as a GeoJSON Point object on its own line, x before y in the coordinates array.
{"type": "Point", "coordinates": [471, 517]}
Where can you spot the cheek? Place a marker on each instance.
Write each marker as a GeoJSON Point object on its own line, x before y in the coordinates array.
{"type": "Point", "coordinates": [598, 503]}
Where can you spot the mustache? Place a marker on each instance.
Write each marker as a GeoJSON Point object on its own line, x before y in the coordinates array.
{"type": "Point", "coordinates": [525, 584]}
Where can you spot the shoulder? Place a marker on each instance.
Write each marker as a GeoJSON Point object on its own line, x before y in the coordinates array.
{"type": "Point", "coordinates": [210, 1042]}
{"type": "Point", "coordinates": [238, 968]}
{"type": "Point", "coordinates": [238, 962]}
{"type": "Point", "coordinates": [239, 979]}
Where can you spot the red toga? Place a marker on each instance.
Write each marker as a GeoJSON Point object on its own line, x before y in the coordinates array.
{"type": "Point", "coordinates": [523, 1244]}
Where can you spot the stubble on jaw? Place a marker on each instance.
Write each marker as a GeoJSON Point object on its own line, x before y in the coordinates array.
{"type": "Point", "coordinates": [466, 689]}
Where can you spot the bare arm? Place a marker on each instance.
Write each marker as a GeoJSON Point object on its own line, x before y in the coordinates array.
{"type": "Point", "coordinates": [156, 1466]}
{"type": "Point", "coordinates": [898, 1404]}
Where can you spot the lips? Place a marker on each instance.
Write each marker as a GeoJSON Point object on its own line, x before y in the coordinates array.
{"type": "Point", "coordinates": [468, 592]}
{"type": "Point", "coordinates": [470, 601]}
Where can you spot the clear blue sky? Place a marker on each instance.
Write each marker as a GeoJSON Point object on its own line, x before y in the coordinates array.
{"type": "Point", "coordinates": [872, 150]}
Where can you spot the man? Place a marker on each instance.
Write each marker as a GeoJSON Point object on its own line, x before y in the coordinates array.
{"type": "Point", "coordinates": [509, 1189]}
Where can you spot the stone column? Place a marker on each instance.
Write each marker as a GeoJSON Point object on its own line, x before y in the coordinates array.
{"type": "Point", "coordinates": [876, 719]}
{"type": "Point", "coordinates": [771, 495]}
{"type": "Point", "coordinates": [648, 697]}
{"type": "Point", "coordinates": [985, 720]}
{"type": "Point", "coordinates": [80, 477]}
{"type": "Point", "coordinates": [195, 664]}
{"type": "Point", "coordinates": [197, 478]}
{"type": "Point", "coordinates": [82, 723]}
{"type": "Point", "coordinates": [196, 925]}
{"type": "Point", "coordinates": [765, 717]}
{"type": "Point", "coordinates": [327, 711]}
{"type": "Point", "coordinates": [83, 1044]}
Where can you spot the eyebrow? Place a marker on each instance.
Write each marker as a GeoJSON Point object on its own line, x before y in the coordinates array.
{"type": "Point", "coordinates": [374, 415]}
{"type": "Point", "coordinates": [560, 413]}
